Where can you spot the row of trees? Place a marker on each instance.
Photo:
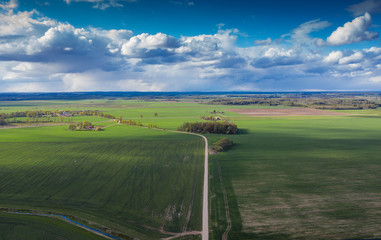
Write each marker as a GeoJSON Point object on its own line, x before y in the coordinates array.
{"type": "Point", "coordinates": [30, 114]}
{"type": "Point", "coordinates": [135, 123]}
{"type": "Point", "coordinates": [129, 122]}
{"type": "Point", "coordinates": [151, 125]}
{"type": "Point", "coordinates": [209, 118]}
{"type": "Point", "coordinates": [209, 127]}
{"type": "Point", "coordinates": [83, 126]}
{"type": "Point", "coordinates": [33, 116]}
{"type": "Point", "coordinates": [96, 113]}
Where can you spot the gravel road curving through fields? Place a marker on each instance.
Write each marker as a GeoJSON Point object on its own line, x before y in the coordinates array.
{"type": "Point", "coordinates": [205, 200]}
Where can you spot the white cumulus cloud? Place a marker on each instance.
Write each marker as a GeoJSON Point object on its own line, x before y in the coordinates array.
{"type": "Point", "coordinates": [352, 32]}
{"type": "Point", "coordinates": [333, 57]}
{"type": "Point", "coordinates": [354, 58]}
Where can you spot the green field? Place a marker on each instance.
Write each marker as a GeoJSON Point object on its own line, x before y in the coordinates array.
{"type": "Point", "coordinates": [135, 181]}
{"type": "Point", "coordinates": [306, 177]}
{"type": "Point", "coordinates": [300, 178]}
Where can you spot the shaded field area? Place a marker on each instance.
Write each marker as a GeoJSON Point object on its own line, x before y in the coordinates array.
{"type": "Point", "coordinates": [290, 178]}
{"type": "Point", "coordinates": [286, 112]}
{"type": "Point", "coordinates": [133, 181]}
{"type": "Point", "coordinates": [15, 227]}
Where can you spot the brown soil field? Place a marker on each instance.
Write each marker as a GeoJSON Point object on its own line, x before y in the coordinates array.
{"type": "Point", "coordinates": [285, 112]}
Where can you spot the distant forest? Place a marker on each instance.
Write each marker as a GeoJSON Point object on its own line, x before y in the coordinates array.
{"type": "Point", "coordinates": [180, 95]}
{"type": "Point", "coordinates": [320, 100]}
{"type": "Point", "coordinates": [318, 103]}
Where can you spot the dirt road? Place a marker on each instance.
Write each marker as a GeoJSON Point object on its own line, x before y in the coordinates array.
{"type": "Point", "coordinates": [205, 202]}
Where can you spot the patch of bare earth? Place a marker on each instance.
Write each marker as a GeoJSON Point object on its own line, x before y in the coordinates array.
{"type": "Point", "coordinates": [285, 112]}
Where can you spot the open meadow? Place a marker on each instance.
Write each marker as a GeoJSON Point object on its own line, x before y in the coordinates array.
{"type": "Point", "coordinates": [286, 177]}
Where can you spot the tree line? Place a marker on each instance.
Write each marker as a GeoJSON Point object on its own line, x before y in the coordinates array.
{"type": "Point", "coordinates": [318, 103]}
{"type": "Point", "coordinates": [47, 116]}
{"type": "Point", "coordinates": [31, 116]}
{"type": "Point", "coordinates": [208, 118]}
{"type": "Point", "coordinates": [96, 113]}
{"type": "Point", "coordinates": [135, 123]}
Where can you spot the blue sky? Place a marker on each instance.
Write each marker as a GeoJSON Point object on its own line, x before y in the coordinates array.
{"type": "Point", "coordinates": [189, 45]}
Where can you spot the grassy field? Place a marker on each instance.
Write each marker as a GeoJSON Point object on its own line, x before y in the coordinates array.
{"type": "Point", "coordinates": [18, 227]}
{"type": "Point", "coordinates": [124, 178]}
{"type": "Point", "coordinates": [306, 177]}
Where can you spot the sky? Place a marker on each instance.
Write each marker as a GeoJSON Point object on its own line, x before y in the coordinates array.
{"type": "Point", "coordinates": [190, 45]}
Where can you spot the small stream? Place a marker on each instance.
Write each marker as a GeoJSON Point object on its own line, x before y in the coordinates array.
{"type": "Point", "coordinates": [71, 221]}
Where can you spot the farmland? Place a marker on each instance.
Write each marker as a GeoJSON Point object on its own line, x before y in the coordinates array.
{"type": "Point", "coordinates": [114, 178]}
{"type": "Point", "coordinates": [285, 177]}
{"type": "Point", "coordinates": [300, 178]}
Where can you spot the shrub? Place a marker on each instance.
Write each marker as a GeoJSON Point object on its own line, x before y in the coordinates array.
{"type": "Point", "coordinates": [222, 145]}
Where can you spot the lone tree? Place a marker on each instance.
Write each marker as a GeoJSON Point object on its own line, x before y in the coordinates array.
{"type": "Point", "coordinates": [2, 121]}
{"type": "Point", "coordinates": [119, 119]}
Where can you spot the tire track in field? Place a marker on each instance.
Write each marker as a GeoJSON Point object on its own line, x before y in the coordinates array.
{"type": "Point", "coordinates": [186, 223]}
{"type": "Point", "coordinates": [12, 233]}
{"type": "Point", "coordinates": [205, 199]}
{"type": "Point", "coordinates": [87, 173]}
{"type": "Point", "coordinates": [133, 186]}
{"type": "Point", "coordinates": [173, 193]}
{"type": "Point", "coordinates": [228, 220]}
{"type": "Point", "coordinates": [110, 179]}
